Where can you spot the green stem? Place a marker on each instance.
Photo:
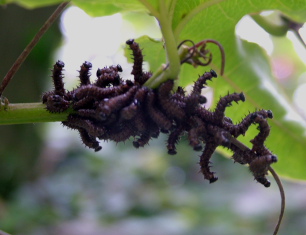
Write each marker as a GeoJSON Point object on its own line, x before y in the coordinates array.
{"type": "Point", "coordinates": [29, 113]}
{"type": "Point", "coordinates": [171, 9]}
{"type": "Point", "coordinates": [173, 59]}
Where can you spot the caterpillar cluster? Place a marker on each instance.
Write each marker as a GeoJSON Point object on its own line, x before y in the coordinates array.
{"type": "Point", "coordinates": [115, 109]}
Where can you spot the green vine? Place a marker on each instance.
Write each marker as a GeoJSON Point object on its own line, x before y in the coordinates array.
{"type": "Point", "coordinates": [172, 71]}
{"type": "Point", "coordinates": [29, 113]}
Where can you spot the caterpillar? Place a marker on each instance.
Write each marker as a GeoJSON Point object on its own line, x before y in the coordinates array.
{"type": "Point", "coordinates": [114, 109]}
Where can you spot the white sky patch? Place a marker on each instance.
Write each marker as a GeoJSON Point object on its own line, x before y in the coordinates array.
{"type": "Point", "coordinates": [298, 46]}
{"type": "Point", "coordinates": [291, 114]}
{"type": "Point", "coordinates": [299, 98]}
{"type": "Point", "coordinates": [91, 36]}
{"type": "Point", "coordinates": [86, 38]}
{"type": "Point", "coordinates": [249, 30]}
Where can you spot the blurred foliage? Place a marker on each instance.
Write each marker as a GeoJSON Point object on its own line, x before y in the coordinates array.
{"type": "Point", "coordinates": [134, 192]}
{"type": "Point", "coordinates": [20, 144]}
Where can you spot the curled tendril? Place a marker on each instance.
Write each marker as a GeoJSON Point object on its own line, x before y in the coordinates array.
{"type": "Point", "coordinates": [191, 54]}
{"type": "Point", "coordinates": [198, 55]}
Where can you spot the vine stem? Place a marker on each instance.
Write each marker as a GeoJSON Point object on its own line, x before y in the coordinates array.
{"type": "Point", "coordinates": [29, 113]}
{"type": "Point", "coordinates": [283, 199]}
{"type": "Point", "coordinates": [242, 147]}
{"type": "Point", "coordinates": [173, 70]}
{"type": "Point", "coordinates": [8, 77]}
{"type": "Point", "coordinates": [26, 113]}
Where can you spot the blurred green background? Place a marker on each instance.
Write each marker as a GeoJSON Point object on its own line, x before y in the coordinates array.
{"type": "Point", "coordinates": [51, 185]}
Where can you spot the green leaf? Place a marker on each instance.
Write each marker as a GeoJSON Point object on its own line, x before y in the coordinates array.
{"type": "Point", "coordinates": [217, 19]}
{"type": "Point", "coordinates": [247, 70]}
{"type": "Point", "coordinates": [32, 3]}
{"type": "Point", "coordinates": [109, 7]}
{"type": "Point", "coordinates": [253, 76]}
{"type": "Point", "coordinates": [92, 7]}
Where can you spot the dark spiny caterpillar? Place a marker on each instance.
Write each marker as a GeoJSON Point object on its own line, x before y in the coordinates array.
{"type": "Point", "coordinates": [85, 74]}
{"type": "Point", "coordinates": [57, 100]}
{"type": "Point", "coordinates": [114, 109]}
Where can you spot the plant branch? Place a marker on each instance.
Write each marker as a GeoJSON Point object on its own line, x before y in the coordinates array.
{"type": "Point", "coordinates": [36, 112]}
{"type": "Point", "coordinates": [283, 199]}
{"type": "Point", "coordinates": [30, 46]}
{"type": "Point", "coordinates": [29, 113]}
{"type": "Point", "coordinates": [294, 27]}
{"type": "Point", "coordinates": [173, 59]}
{"type": "Point", "coordinates": [171, 9]}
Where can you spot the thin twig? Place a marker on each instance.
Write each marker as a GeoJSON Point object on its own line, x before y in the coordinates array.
{"type": "Point", "coordinates": [236, 142]}
{"type": "Point", "coordinates": [276, 178]}
{"type": "Point", "coordinates": [294, 27]}
{"type": "Point", "coordinates": [283, 199]}
{"type": "Point", "coordinates": [30, 46]}
{"type": "Point", "coordinates": [299, 37]}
